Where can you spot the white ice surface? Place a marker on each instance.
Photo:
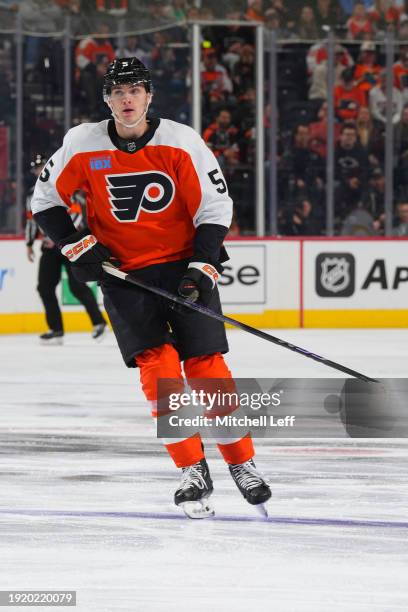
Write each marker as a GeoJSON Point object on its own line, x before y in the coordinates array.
{"type": "Point", "coordinates": [86, 491]}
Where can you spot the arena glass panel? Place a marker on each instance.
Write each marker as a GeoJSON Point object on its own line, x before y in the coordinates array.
{"type": "Point", "coordinates": [301, 142]}
{"type": "Point", "coordinates": [228, 96]}
{"type": "Point", "coordinates": [43, 100]}
{"type": "Point", "coordinates": [164, 51]}
{"type": "Point", "coordinates": [7, 135]}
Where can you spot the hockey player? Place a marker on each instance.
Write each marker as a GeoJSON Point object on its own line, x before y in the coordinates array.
{"type": "Point", "coordinates": [49, 273]}
{"type": "Point", "coordinates": [159, 205]}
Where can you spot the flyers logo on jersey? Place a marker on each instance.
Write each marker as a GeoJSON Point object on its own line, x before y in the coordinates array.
{"type": "Point", "coordinates": [129, 194]}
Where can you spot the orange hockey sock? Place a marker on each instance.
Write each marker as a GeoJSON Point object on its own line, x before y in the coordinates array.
{"type": "Point", "coordinates": [214, 366]}
{"type": "Point", "coordinates": [186, 452]}
{"type": "Point", "coordinates": [239, 451]}
{"type": "Point", "coordinates": [163, 362]}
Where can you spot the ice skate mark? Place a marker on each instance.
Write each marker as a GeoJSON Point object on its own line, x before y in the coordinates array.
{"type": "Point", "coordinates": [332, 451]}
{"type": "Point", "coordinates": [166, 516]}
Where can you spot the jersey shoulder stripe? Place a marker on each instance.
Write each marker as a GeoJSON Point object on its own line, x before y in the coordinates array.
{"type": "Point", "coordinates": [88, 137]}
{"type": "Point", "coordinates": [176, 135]}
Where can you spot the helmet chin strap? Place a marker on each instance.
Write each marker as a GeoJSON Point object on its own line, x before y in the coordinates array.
{"type": "Point", "coordinates": [129, 125]}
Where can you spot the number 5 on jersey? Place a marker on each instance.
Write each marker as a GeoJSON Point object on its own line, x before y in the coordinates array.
{"type": "Point", "coordinates": [219, 182]}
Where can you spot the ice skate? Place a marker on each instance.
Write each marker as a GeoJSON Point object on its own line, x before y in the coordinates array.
{"type": "Point", "coordinates": [52, 338]}
{"type": "Point", "coordinates": [99, 332]}
{"type": "Point", "coordinates": [251, 484]}
{"type": "Point", "coordinates": [195, 488]}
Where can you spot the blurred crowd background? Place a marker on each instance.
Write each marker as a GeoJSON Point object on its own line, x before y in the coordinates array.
{"type": "Point", "coordinates": [159, 33]}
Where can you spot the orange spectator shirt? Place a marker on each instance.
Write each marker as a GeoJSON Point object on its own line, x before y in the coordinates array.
{"type": "Point", "coordinates": [347, 102]}
{"type": "Point", "coordinates": [366, 76]}
{"type": "Point", "coordinates": [90, 50]}
{"type": "Point", "coordinates": [400, 75]}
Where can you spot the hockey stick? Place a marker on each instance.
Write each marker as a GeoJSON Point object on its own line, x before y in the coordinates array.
{"type": "Point", "coordinates": [110, 269]}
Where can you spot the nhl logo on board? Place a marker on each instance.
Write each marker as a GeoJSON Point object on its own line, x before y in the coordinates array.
{"type": "Point", "coordinates": [335, 274]}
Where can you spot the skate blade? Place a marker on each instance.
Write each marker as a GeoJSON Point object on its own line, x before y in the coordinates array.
{"type": "Point", "coordinates": [52, 342]}
{"type": "Point", "coordinates": [262, 510]}
{"type": "Point", "coordinates": [197, 509]}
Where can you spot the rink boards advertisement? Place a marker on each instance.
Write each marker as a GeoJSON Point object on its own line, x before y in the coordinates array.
{"type": "Point", "coordinates": [281, 282]}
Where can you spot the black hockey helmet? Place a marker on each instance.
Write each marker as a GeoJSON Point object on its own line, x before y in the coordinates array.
{"type": "Point", "coordinates": [126, 70]}
{"type": "Point", "coordinates": [38, 160]}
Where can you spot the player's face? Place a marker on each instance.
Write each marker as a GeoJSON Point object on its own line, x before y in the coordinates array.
{"type": "Point", "coordinates": [129, 101]}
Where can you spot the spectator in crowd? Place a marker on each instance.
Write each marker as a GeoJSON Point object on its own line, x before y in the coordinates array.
{"type": "Point", "coordinates": [222, 138]}
{"type": "Point", "coordinates": [303, 169]}
{"type": "Point", "coordinates": [401, 225]}
{"type": "Point", "coordinates": [401, 133]}
{"type": "Point", "coordinates": [366, 71]}
{"type": "Point", "coordinates": [206, 13]}
{"type": "Point", "coordinates": [232, 56]}
{"type": "Point", "coordinates": [299, 220]}
{"type": "Point", "coordinates": [163, 60]}
{"type": "Point", "coordinates": [327, 13]}
{"type": "Point", "coordinates": [243, 74]}
{"type": "Point", "coordinates": [375, 195]}
{"type": "Point", "coordinates": [307, 27]}
{"type": "Point", "coordinates": [400, 69]}
{"type": "Point", "coordinates": [157, 13]}
{"type": "Point", "coordinates": [317, 54]}
{"type": "Point", "coordinates": [401, 147]}
{"type": "Point", "coordinates": [38, 16]}
{"type": "Point", "coordinates": [385, 13]}
{"type": "Point", "coordinates": [318, 65]}
{"type": "Point", "coordinates": [244, 116]}
{"type": "Point", "coordinates": [348, 196]}
{"type": "Point", "coordinates": [358, 222]}
{"type": "Point", "coordinates": [378, 101]}
{"type": "Point", "coordinates": [133, 48]}
{"type": "Point", "coordinates": [254, 11]}
{"type": "Point", "coordinates": [229, 40]}
{"type": "Point", "coordinates": [318, 132]}
{"type": "Point", "coordinates": [87, 53]}
{"type": "Point", "coordinates": [403, 28]}
{"type": "Point", "coordinates": [178, 10]}
{"type": "Point", "coordinates": [193, 13]}
{"type": "Point", "coordinates": [273, 22]}
{"type": "Point", "coordinates": [370, 137]}
{"type": "Point", "coordinates": [112, 7]}
{"type": "Point", "coordinates": [99, 111]}
{"type": "Point", "coordinates": [287, 11]}
{"type": "Point", "coordinates": [232, 38]}
{"type": "Point", "coordinates": [347, 6]}
{"type": "Point", "coordinates": [351, 159]}
{"type": "Point", "coordinates": [72, 7]}
{"type": "Point", "coordinates": [348, 97]}
{"type": "Point", "coordinates": [216, 84]}
{"type": "Point", "coordinates": [359, 25]}
{"type": "Point", "coordinates": [10, 5]}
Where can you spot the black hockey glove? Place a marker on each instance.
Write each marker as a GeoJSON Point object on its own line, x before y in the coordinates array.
{"type": "Point", "coordinates": [198, 282]}
{"type": "Point", "coordinates": [85, 254]}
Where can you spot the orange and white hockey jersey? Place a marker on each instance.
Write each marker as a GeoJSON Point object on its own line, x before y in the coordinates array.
{"type": "Point", "coordinates": [145, 203]}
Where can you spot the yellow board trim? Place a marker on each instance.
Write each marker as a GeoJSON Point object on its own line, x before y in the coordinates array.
{"type": "Point", "coordinates": [34, 322]}
{"type": "Point", "coordinates": [268, 318]}
{"type": "Point", "coordinates": [355, 318]}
